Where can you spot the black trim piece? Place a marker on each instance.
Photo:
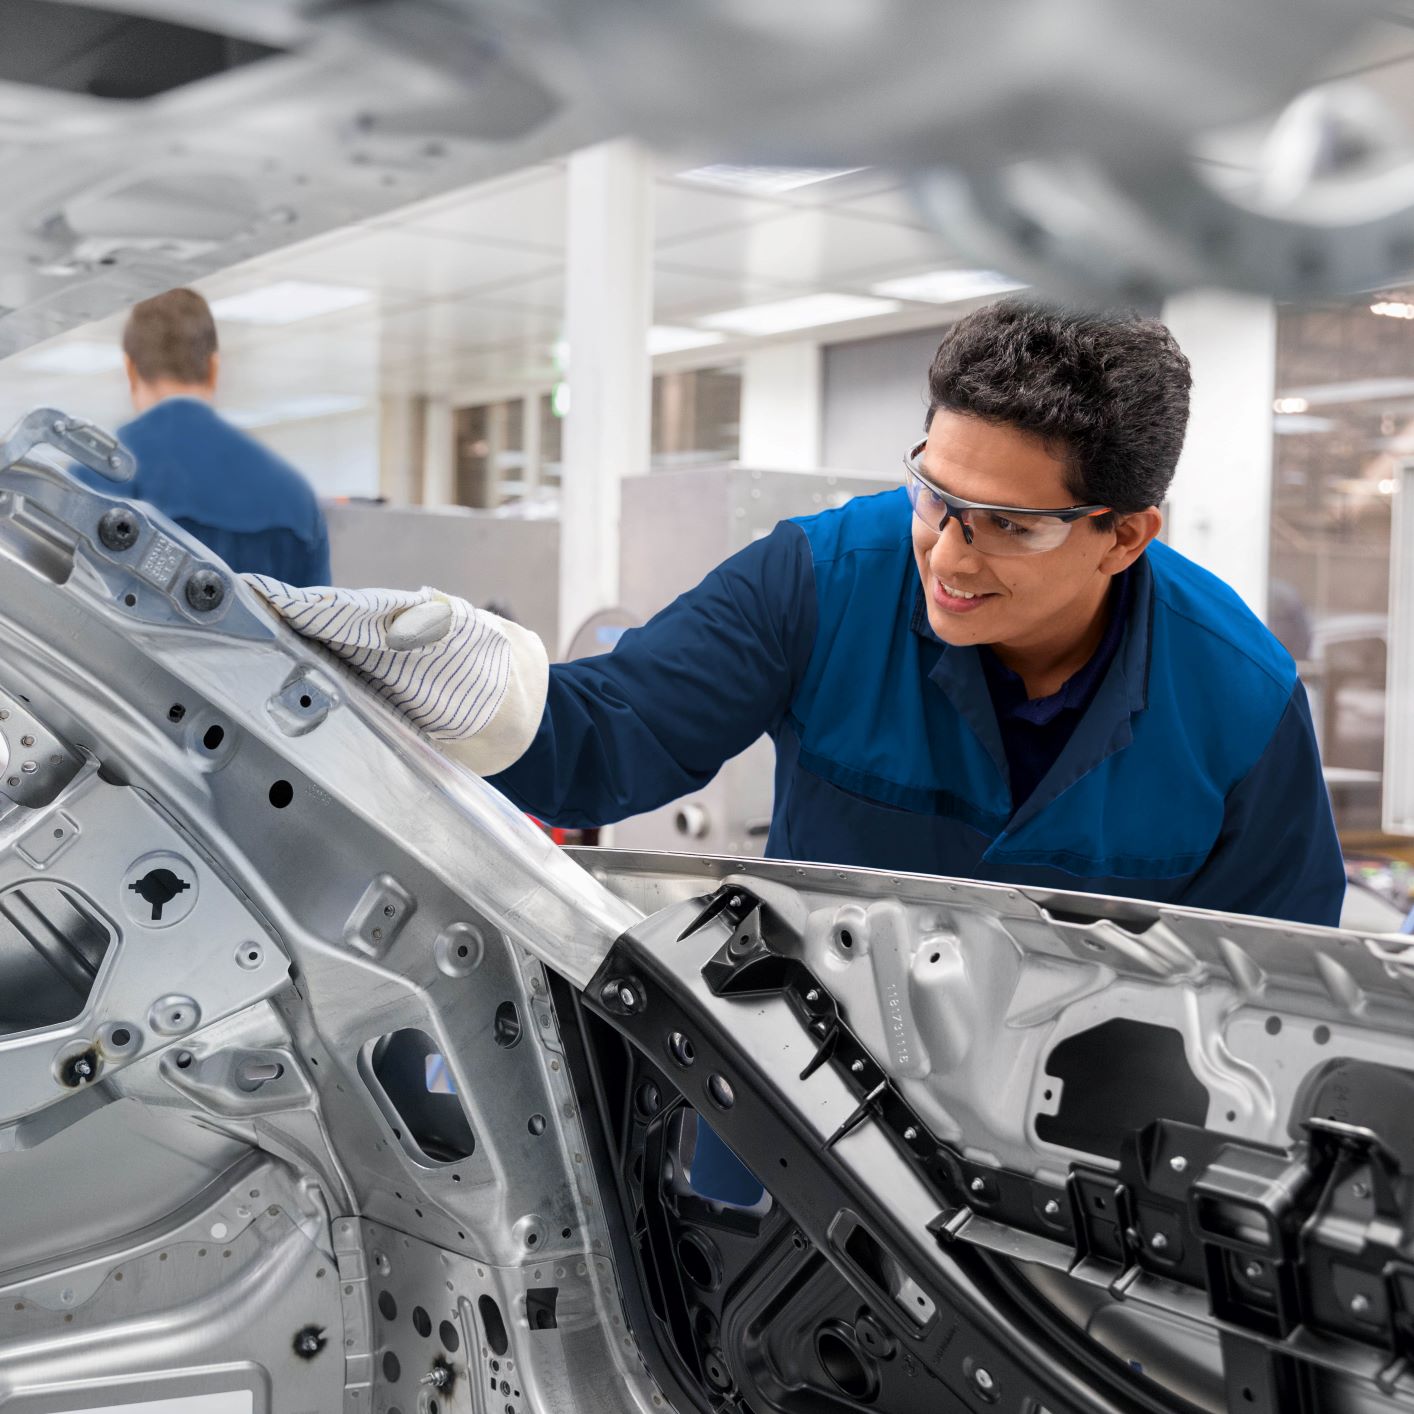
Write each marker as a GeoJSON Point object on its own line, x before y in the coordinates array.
{"type": "Point", "coordinates": [1269, 1235]}
{"type": "Point", "coordinates": [803, 1311]}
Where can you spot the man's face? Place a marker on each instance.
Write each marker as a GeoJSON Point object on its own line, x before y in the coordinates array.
{"type": "Point", "coordinates": [1024, 600]}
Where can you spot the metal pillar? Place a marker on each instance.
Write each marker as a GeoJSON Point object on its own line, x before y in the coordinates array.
{"type": "Point", "coordinates": [608, 309]}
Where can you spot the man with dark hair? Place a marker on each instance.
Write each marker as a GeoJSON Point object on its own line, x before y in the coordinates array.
{"type": "Point", "coordinates": [251, 508]}
{"type": "Point", "coordinates": [994, 672]}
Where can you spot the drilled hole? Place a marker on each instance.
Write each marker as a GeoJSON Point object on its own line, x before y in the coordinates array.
{"type": "Point", "coordinates": [421, 1321]}
{"type": "Point", "coordinates": [281, 794]}
{"type": "Point", "coordinates": [213, 737]}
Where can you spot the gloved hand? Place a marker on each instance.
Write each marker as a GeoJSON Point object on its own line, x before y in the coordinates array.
{"type": "Point", "coordinates": [472, 682]}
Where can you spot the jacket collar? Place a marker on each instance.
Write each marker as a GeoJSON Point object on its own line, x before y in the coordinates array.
{"type": "Point", "coordinates": [1106, 726]}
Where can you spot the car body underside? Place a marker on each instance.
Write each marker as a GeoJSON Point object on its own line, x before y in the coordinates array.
{"type": "Point", "coordinates": [330, 1084]}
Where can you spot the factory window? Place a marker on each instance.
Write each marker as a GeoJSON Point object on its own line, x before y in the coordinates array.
{"type": "Point", "coordinates": [1344, 417]}
{"type": "Point", "coordinates": [696, 417]}
{"type": "Point", "coordinates": [490, 453]}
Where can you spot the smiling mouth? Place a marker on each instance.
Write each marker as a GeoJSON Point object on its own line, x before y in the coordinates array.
{"type": "Point", "coordinates": [957, 600]}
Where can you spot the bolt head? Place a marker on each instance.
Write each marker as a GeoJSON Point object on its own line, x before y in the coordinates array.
{"type": "Point", "coordinates": [978, 1185]}
{"type": "Point", "coordinates": [1360, 1305]}
{"type": "Point", "coordinates": [910, 1134]}
{"type": "Point", "coordinates": [1252, 1271]}
{"type": "Point", "coordinates": [983, 1379]}
{"type": "Point", "coordinates": [118, 528]}
{"type": "Point", "coordinates": [812, 995]}
{"type": "Point", "coordinates": [1159, 1242]}
{"type": "Point", "coordinates": [1178, 1163]}
{"type": "Point", "coordinates": [857, 1067]}
{"type": "Point", "coordinates": [205, 591]}
{"type": "Point", "coordinates": [1360, 1189]}
{"type": "Point", "coordinates": [1052, 1208]}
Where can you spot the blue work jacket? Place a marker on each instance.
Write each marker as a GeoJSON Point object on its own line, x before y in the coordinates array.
{"type": "Point", "coordinates": [1192, 778]}
{"type": "Point", "coordinates": [248, 506]}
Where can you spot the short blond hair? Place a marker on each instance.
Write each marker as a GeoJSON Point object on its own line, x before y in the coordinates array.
{"type": "Point", "coordinates": [171, 336]}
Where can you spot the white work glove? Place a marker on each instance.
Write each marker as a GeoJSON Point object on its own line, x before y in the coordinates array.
{"type": "Point", "coordinates": [472, 682]}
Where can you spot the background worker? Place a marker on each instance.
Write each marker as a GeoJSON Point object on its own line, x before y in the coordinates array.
{"type": "Point", "coordinates": [248, 506]}
{"type": "Point", "coordinates": [994, 672]}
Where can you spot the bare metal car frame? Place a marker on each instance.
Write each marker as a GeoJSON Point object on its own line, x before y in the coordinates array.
{"type": "Point", "coordinates": [329, 1084]}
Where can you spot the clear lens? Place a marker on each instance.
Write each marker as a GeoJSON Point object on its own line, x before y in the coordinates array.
{"type": "Point", "coordinates": [993, 533]}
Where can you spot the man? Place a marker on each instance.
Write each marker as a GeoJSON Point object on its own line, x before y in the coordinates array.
{"type": "Point", "coordinates": [994, 672]}
{"type": "Point", "coordinates": [248, 506]}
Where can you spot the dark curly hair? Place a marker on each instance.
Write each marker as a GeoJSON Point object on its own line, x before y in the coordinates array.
{"type": "Point", "coordinates": [1110, 390]}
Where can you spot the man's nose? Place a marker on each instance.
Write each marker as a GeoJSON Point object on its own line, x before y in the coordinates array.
{"type": "Point", "coordinates": [951, 550]}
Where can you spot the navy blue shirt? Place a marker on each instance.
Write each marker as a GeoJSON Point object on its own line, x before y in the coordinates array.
{"type": "Point", "coordinates": [1191, 776]}
{"type": "Point", "coordinates": [248, 506]}
{"type": "Point", "coordinates": [1036, 729]}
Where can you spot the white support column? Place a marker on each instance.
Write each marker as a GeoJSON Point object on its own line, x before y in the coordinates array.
{"type": "Point", "coordinates": [608, 309]}
{"type": "Point", "coordinates": [1221, 503]}
{"type": "Point", "coordinates": [401, 433]}
{"type": "Point", "coordinates": [530, 442]}
{"type": "Point", "coordinates": [781, 407]}
{"type": "Point", "coordinates": [438, 454]}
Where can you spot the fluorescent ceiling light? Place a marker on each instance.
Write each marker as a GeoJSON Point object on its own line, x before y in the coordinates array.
{"type": "Point", "coordinates": [669, 338]}
{"type": "Point", "coordinates": [1290, 405]}
{"type": "Point", "coordinates": [1357, 390]}
{"type": "Point", "coordinates": [947, 286]}
{"type": "Point", "coordinates": [1393, 308]}
{"type": "Point", "coordinates": [763, 180]}
{"type": "Point", "coordinates": [295, 409]}
{"type": "Point", "coordinates": [287, 301]}
{"type": "Point", "coordinates": [804, 312]}
{"type": "Point", "coordinates": [79, 356]}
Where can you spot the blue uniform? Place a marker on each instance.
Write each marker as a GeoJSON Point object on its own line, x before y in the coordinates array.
{"type": "Point", "coordinates": [249, 507]}
{"type": "Point", "coordinates": [1192, 777]}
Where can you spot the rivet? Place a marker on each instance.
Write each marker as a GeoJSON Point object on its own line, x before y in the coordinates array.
{"type": "Point", "coordinates": [1052, 1208]}
{"type": "Point", "coordinates": [1159, 1242]}
{"type": "Point", "coordinates": [1178, 1163]}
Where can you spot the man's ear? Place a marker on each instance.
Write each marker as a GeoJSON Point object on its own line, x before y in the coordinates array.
{"type": "Point", "coordinates": [130, 368]}
{"type": "Point", "coordinates": [1133, 534]}
{"type": "Point", "coordinates": [213, 370]}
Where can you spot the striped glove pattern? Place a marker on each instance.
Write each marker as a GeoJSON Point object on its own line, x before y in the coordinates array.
{"type": "Point", "coordinates": [473, 682]}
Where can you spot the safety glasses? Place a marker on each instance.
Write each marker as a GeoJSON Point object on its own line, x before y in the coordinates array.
{"type": "Point", "coordinates": [991, 530]}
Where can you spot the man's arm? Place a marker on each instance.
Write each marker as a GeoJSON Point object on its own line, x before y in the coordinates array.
{"type": "Point", "coordinates": [1278, 855]}
{"type": "Point", "coordinates": [635, 728]}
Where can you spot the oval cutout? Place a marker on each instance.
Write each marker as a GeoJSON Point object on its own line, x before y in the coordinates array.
{"type": "Point", "coordinates": [493, 1325]}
